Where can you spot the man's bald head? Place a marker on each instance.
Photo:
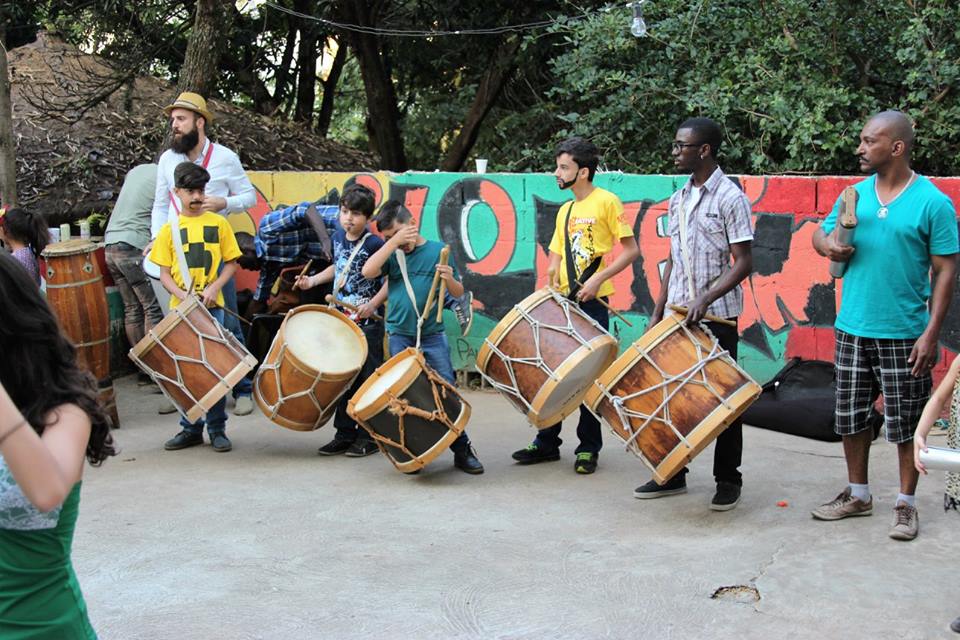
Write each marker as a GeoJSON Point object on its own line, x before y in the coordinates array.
{"type": "Point", "coordinates": [896, 125]}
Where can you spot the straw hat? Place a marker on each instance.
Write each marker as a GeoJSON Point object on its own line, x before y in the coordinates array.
{"type": "Point", "coordinates": [192, 101]}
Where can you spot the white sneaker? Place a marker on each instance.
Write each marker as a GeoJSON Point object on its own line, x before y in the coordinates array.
{"type": "Point", "coordinates": [244, 406]}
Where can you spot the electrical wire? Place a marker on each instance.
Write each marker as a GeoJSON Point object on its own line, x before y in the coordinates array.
{"type": "Point", "coordinates": [418, 33]}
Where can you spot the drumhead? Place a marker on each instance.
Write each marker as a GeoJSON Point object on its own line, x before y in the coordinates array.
{"type": "Point", "coordinates": [384, 383]}
{"type": "Point", "coordinates": [69, 248]}
{"type": "Point", "coordinates": [323, 342]}
{"type": "Point", "coordinates": [578, 380]}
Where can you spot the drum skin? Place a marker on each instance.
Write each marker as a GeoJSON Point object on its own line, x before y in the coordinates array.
{"type": "Point", "coordinates": [206, 361]}
{"type": "Point", "coordinates": [562, 353]}
{"type": "Point", "coordinates": [694, 410]}
{"type": "Point", "coordinates": [76, 293]}
{"type": "Point", "coordinates": [422, 439]}
{"type": "Point", "coordinates": [283, 384]}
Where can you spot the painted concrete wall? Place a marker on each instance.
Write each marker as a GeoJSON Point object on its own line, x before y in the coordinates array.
{"type": "Point", "coordinates": [499, 226]}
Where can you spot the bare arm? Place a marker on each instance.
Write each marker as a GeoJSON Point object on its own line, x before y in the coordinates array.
{"type": "Point", "coordinates": [931, 411]}
{"type": "Point", "coordinates": [925, 350]}
{"type": "Point", "coordinates": [46, 468]}
{"type": "Point", "coordinates": [553, 271]}
{"type": "Point", "coordinates": [827, 246]}
{"type": "Point", "coordinates": [166, 279]}
{"type": "Point", "coordinates": [625, 259]}
{"type": "Point", "coordinates": [373, 267]}
{"type": "Point", "coordinates": [742, 267]}
{"type": "Point", "coordinates": [309, 282]}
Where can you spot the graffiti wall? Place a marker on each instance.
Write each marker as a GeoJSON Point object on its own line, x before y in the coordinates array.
{"type": "Point", "coordinates": [499, 226]}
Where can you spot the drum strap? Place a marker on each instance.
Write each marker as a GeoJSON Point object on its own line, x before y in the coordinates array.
{"type": "Point", "coordinates": [574, 283]}
{"type": "Point", "coordinates": [402, 262]}
{"type": "Point", "coordinates": [178, 249]}
{"type": "Point", "coordinates": [342, 280]}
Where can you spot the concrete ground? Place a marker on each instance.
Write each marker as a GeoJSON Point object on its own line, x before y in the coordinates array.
{"type": "Point", "coordinates": [272, 541]}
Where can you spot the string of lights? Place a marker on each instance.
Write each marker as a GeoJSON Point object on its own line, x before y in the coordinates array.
{"type": "Point", "coordinates": [422, 33]}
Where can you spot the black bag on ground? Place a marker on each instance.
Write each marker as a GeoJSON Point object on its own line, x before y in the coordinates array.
{"type": "Point", "coordinates": [800, 401]}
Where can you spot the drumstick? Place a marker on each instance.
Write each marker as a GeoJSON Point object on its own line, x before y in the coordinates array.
{"type": "Point", "coordinates": [346, 305]}
{"type": "Point", "coordinates": [444, 256]}
{"type": "Point", "coordinates": [707, 317]}
{"type": "Point", "coordinates": [303, 272]}
{"type": "Point", "coordinates": [444, 253]}
{"type": "Point", "coordinates": [235, 315]}
{"type": "Point", "coordinates": [614, 311]}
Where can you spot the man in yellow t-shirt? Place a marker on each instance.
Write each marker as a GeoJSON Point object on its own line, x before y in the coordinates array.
{"type": "Point", "coordinates": [587, 230]}
{"type": "Point", "coordinates": [208, 241]}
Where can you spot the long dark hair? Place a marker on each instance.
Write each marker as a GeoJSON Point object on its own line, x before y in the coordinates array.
{"type": "Point", "coordinates": [38, 365]}
{"type": "Point", "coordinates": [27, 227]}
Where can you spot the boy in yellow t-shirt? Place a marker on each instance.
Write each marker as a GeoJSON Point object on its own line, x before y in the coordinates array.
{"type": "Point", "coordinates": [208, 241]}
{"type": "Point", "coordinates": [587, 230]}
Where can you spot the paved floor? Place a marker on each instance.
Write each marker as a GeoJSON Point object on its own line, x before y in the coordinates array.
{"type": "Point", "coordinates": [272, 541]}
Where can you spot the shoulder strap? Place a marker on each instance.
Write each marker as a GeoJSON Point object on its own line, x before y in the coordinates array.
{"type": "Point", "coordinates": [402, 262]}
{"type": "Point", "coordinates": [573, 282]}
{"type": "Point", "coordinates": [342, 280]}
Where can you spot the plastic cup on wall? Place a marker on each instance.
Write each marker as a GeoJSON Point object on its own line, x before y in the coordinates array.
{"type": "Point", "coordinates": [481, 165]}
{"type": "Point", "coordinates": [64, 232]}
{"type": "Point", "coordinates": [54, 234]}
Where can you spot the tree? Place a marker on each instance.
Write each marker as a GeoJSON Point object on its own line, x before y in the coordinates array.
{"type": "Point", "coordinates": [8, 155]}
{"type": "Point", "coordinates": [211, 26]}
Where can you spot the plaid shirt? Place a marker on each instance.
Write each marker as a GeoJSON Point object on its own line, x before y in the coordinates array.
{"type": "Point", "coordinates": [284, 237]}
{"type": "Point", "coordinates": [719, 219]}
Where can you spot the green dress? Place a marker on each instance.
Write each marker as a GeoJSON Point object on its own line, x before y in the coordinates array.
{"type": "Point", "coordinates": [40, 598]}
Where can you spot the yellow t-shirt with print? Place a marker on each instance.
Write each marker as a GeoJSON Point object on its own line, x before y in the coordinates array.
{"type": "Point", "coordinates": [596, 225]}
{"type": "Point", "coordinates": [208, 241]}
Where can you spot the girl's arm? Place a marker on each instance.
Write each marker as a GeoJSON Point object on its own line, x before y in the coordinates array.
{"type": "Point", "coordinates": [932, 411]}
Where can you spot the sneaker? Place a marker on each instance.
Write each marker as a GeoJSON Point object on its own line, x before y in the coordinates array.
{"type": "Point", "coordinates": [462, 308]}
{"type": "Point", "coordinates": [360, 448]}
{"type": "Point", "coordinates": [726, 497]}
{"type": "Point", "coordinates": [843, 506]}
{"type": "Point", "coordinates": [674, 486]}
{"type": "Point", "coordinates": [468, 462]}
{"type": "Point", "coordinates": [955, 626]}
{"type": "Point", "coordinates": [906, 522]}
{"type": "Point", "coordinates": [335, 447]}
{"type": "Point", "coordinates": [534, 454]}
{"type": "Point", "coordinates": [166, 407]}
{"type": "Point", "coordinates": [221, 443]}
{"type": "Point", "coordinates": [586, 462]}
{"type": "Point", "coordinates": [244, 406]}
{"type": "Point", "coordinates": [143, 380]}
{"type": "Point", "coordinates": [183, 440]}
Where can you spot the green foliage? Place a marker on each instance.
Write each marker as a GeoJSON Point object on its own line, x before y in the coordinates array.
{"type": "Point", "coordinates": [792, 82]}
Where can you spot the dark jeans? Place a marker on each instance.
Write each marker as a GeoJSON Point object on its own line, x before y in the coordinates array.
{"type": "Point", "coordinates": [588, 428]}
{"type": "Point", "coordinates": [141, 311]}
{"type": "Point", "coordinates": [728, 451]}
{"type": "Point", "coordinates": [216, 419]}
{"type": "Point", "coordinates": [436, 351]}
{"type": "Point", "coordinates": [347, 428]}
{"type": "Point", "coordinates": [232, 324]}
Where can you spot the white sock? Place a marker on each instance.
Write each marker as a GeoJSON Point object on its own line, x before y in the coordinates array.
{"type": "Point", "coordinates": [860, 491]}
{"type": "Point", "coordinates": [910, 500]}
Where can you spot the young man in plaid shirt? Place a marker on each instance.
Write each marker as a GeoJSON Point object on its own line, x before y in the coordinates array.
{"type": "Point", "coordinates": [710, 237]}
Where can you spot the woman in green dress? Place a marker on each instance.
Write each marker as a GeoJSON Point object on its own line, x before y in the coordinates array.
{"type": "Point", "coordinates": [49, 422]}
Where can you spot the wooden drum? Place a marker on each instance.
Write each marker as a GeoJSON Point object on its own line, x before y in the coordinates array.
{"type": "Point", "coordinates": [412, 413]}
{"type": "Point", "coordinates": [193, 359]}
{"type": "Point", "coordinates": [670, 394]}
{"type": "Point", "coordinates": [313, 360]}
{"type": "Point", "coordinates": [544, 355]}
{"type": "Point", "coordinates": [78, 298]}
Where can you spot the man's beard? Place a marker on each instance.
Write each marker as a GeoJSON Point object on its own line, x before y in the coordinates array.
{"type": "Point", "coordinates": [185, 142]}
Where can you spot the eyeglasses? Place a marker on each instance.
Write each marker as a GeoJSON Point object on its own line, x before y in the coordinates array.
{"type": "Point", "coordinates": [679, 146]}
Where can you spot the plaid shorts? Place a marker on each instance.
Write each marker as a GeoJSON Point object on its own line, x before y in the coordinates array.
{"type": "Point", "coordinates": [867, 367]}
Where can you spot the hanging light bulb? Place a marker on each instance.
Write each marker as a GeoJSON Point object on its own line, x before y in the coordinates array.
{"type": "Point", "coordinates": [638, 27]}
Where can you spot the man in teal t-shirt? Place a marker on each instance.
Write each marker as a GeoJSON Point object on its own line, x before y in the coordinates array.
{"type": "Point", "coordinates": [889, 322]}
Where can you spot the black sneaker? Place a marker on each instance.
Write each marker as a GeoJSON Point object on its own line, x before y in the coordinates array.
{"type": "Point", "coordinates": [335, 447]}
{"type": "Point", "coordinates": [955, 625]}
{"type": "Point", "coordinates": [726, 497]}
{"type": "Point", "coordinates": [586, 462]}
{"type": "Point", "coordinates": [360, 448]}
{"type": "Point", "coordinates": [468, 462]}
{"type": "Point", "coordinates": [221, 443]}
{"type": "Point", "coordinates": [534, 454]}
{"type": "Point", "coordinates": [462, 308]}
{"type": "Point", "coordinates": [674, 486]}
{"type": "Point", "coordinates": [183, 440]}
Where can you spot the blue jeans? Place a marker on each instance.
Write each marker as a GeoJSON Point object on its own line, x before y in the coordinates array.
{"type": "Point", "coordinates": [215, 419]}
{"type": "Point", "coordinates": [436, 352]}
{"type": "Point", "coordinates": [232, 324]}
{"type": "Point", "coordinates": [588, 429]}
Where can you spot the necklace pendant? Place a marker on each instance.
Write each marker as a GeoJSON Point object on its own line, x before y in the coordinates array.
{"type": "Point", "coordinates": [882, 212]}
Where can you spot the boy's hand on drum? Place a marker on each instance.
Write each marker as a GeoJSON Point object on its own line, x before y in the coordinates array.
{"type": "Point", "coordinates": [209, 296]}
{"type": "Point", "coordinates": [365, 310]}
{"type": "Point", "coordinates": [181, 294]}
{"type": "Point", "coordinates": [589, 289]}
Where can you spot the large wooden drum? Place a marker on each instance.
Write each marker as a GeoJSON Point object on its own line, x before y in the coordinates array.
{"type": "Point", "coordinates": [192, 358]}
{"type": "Point", "coordinates": [670, 394]}
{"type": "Point", "coordinates": [315, 357]}
{"type": "Point", "coordinates": [412, 413]}
{"type": "Point", "coordinates": [76, 293]}
{"type": "Point", "coordinates": [544, 355]}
